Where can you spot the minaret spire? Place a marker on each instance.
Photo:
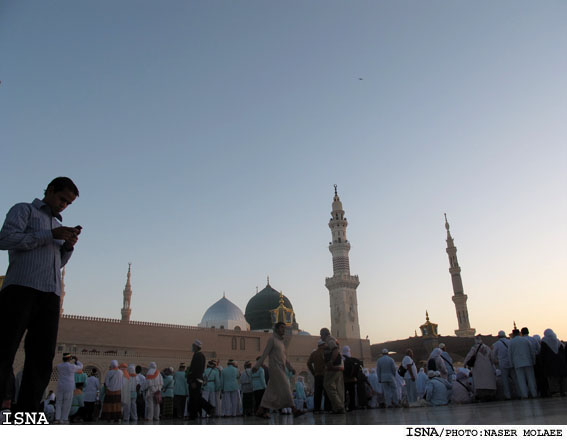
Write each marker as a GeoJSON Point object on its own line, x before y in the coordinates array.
{"type": "Point", "coordinates": [459, 297]}
{"type": "Point", "coordinates": [342, 286]}
{"type": "Point", "coordinates": [126, 311]}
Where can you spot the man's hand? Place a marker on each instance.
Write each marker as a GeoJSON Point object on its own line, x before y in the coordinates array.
{"type": "Point", "coordinates": [70, 244]}
{"type": "Point", "coordinates": [68, 234]}
{"type": "Point", "coordinates": [65, 233]}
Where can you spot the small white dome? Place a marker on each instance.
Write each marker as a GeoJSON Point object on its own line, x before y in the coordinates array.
{"type": "Point", "coordinates": [224, 315]}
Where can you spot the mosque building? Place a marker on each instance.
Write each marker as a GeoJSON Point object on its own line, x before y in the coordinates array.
{"type": "Point", "coordinates": [228, 333]}
{"type": "Point", "coordinates": [225, 331]}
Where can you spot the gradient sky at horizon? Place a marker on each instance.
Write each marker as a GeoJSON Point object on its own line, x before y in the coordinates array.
{"type": "Point", "coordinates": [205, 139]}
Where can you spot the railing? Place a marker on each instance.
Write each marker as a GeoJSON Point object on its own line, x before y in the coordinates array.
{"type": "Point", "coordinates": [153, 324]}
{"type": "Point", "coordinates": [133, 322]}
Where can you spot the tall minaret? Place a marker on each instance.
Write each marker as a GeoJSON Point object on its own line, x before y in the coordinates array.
{"type": "Point", "coordinates": [459, 297]}
{"type": "Point", "coordinates": [342, 286]}
{"type": "Point", "coordinates": [126, 311]}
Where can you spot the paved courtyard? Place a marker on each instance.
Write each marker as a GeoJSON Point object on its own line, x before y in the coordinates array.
{"type": "Point", "coordinates": [539, 411]}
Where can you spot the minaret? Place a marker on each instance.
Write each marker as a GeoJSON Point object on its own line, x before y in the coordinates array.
{"type": "Point", "coordinates": [62, 296]}
{"type": "Point", "coordinates": [459, 298]}
{"type": "Point", "coordinates": [126, 311]}
{"type": "Point", "coordinates": [342, 286]}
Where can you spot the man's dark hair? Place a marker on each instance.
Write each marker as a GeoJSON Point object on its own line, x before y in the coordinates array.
{"type": "Point", "coordinates": [525, 331]}
{"type": "Point", "coordinates": [138, 369]}
{"type": "Point", "coordinates": [324, 331]}
{"type": "Point", "coordinates": [515, 332]}
{"type": "Point", "coordinates": [61, 183]}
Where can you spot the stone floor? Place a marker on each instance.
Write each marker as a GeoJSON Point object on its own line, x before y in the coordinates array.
{"type": "Point", "coordinates": [538, 411]}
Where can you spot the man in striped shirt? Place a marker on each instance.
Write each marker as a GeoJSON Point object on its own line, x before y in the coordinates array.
{"type": "Point", "coordinates": [38, 247]}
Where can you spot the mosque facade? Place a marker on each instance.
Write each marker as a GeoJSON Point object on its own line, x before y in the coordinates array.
{"type": "Point", "coordinates": [225, 331]}
{"type": "Point", "coordinates": [228, 333]}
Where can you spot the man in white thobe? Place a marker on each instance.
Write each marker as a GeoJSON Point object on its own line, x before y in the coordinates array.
{"type": "Point", "coordinates": [522, 358]}
{"type": "Point", "coordinates": [448, 360]}
{"type": "Point", "coordinates": [66, 386]}
{"type": "Point", "coordinates": [386, 372]}
{"type": "Point", "coordinates": [500, 352]}
{"type": "Point", "coordinates": [410, 376]}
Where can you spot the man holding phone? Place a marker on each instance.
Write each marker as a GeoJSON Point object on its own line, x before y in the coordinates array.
{"type": "Point", "coordinates": [38, 247]}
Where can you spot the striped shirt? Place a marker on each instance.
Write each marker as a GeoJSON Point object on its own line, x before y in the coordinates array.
{"type": "Point", "coordinates": [35, 257]}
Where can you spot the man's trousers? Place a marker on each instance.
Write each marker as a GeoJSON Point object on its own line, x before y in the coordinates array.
{"type": "Point", "coordinates": [334, 386]}
{"type": "Point", "coordinates": [21, 309]}
{"type": "Point", "coordinates": [390, 393]}
{"type": "Point", "coordinates": [525, 378]}
{"type": "Point", "coordinates": [319, 393]}
{"type": "Point", "coordinates": [63, 402]}
{"type": "Point", "coordinates": [179, 406]}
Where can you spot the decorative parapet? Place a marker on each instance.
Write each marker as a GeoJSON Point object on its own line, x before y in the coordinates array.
{"type": "Point", "coordinates": [152, 324]}
{"type": "Point", "coordinates": [342, 281]}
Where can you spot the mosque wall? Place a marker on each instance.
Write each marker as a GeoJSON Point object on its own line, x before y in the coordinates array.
{"type": "Point", "coordinates": [98, 341]}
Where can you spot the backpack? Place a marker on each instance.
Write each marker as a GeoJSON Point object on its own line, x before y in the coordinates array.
{"type": "Point", "coordinates": [472, 360]}
{"type": "Point", "coordinates": [329, 354]}
{"type": "Point", "coordinates": [352, 367]}
{"type": "Point", "coordinates": [431, 365]}
{"type": "Point", "coordinates": [402, 371]}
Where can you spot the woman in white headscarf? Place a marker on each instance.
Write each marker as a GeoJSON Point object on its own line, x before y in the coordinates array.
{"type": "Point", "coordinates": [420, 383]}
{"type": "Point", "coordinates": [300, 396]}
{"type": "Point", "coordinates": [484, 376]}
{"type": "Point", "coordinates": [133, 392]}
{"type": "Point", "coordinates": [112, 405]}
{"type": "Point", "coordinates": [435, 363]}
{"type": "Point", "coordinates": [462, 390]}
{"type": "Point", "coordinates": [376, 388]}
{"type": "Point", "coordinates": [552, 356]}
{"type": "Point", "coordinates": [153, 392]}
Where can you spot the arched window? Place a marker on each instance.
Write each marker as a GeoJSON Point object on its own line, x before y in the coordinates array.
{"type": "Point", "coordinates": [234, 344]}
{"type": "Point", "coordinates": [242, 343]}
{"type": "Point", "coordinates": [237, 328]}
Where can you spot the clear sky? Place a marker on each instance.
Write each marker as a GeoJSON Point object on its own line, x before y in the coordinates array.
{"type": "Point", "coordinates": [205, 138]}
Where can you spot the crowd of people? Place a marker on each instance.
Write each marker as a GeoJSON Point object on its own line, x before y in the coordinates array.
{"type": "Point", "coordinates": [39, 246]}
{"type": "Point", "coordinates": [519, 366]}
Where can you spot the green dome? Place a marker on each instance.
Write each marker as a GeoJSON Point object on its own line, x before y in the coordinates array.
{"type": "Point", "coordinates": [258, 308]}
